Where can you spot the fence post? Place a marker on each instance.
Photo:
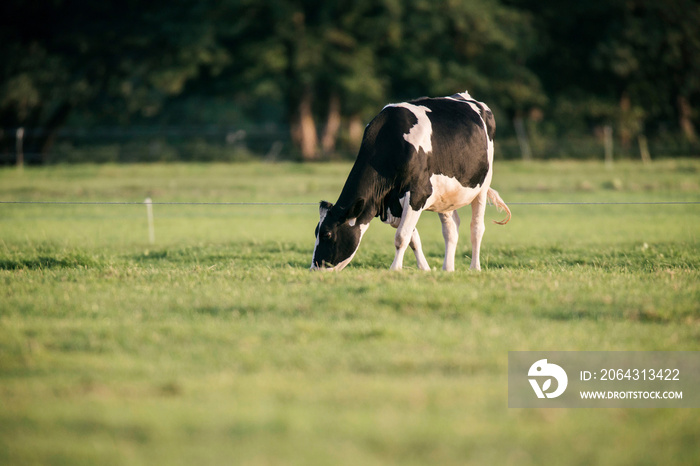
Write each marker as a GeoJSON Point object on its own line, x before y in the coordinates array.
{"type": "Point", "coordinates": [644, 149]}
{"type": "Point", "coordinates": [20, 147]}
{"type": "Point", "coordinates": [151, 226]}
{"type": "Point", "coordinates": [522, 138]}
{"type": "Point", "coordinates": [608, 143]}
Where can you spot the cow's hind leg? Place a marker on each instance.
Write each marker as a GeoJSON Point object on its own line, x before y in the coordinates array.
{"type": "Point", "coordinates": [405, 232]}
{"type": "Point", "coordinates": [450, 231]}
{"type": "Point", "coordinates": [477, 227]}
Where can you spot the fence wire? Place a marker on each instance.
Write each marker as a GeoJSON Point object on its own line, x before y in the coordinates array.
{"type": "Point", "coordinates": [535, 203]}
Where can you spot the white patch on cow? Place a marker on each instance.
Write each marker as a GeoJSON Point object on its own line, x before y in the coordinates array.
{"type": "Point", "coordinates": [352, 222]}
{"type": "Point", "coordinates": [341, 265]}
{"type": "Point", "coordinates": [476, 108]}
{"type": "Point", "coordinates": [472, 102]}
{"type": "Point", "coordinates": [465, 95]}
{"type": "Point", "coordinates": [421, 133]}
{"type": "Point", "coordinates": [323, 213]}
{"type": "Point", "coordinates": [449, 194]}
{"type": "Point", "coordinates": [390, 219]}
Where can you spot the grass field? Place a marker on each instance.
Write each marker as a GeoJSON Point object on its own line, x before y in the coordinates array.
{"type": "Point", "coordinates": [216, 345]}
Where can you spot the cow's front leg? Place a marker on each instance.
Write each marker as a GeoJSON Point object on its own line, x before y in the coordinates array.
{"type": "Point", "coordinates": [404, 232]}
{"type": "Point", "coordinates": [415, 245]}
{"type": "Point", "coordinates": [477, 227]}
{"type": "Point", "coordinates": [450, 231]}
{"type": "Point", "coordinates": [418, 250]}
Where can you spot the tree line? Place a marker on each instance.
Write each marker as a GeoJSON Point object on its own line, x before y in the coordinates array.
{"type": "Point", "coordinates": [324, 68]}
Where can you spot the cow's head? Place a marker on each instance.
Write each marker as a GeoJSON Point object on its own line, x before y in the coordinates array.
{"type": "Point", "coordinates": [338, 235]}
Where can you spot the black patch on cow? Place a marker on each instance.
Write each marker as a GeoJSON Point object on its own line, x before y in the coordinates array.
{"type": "Point", "coordinates": [489, 120]}
{"type": "Point", "coordinates": [387, 151]}
{"type": "Point", "coordinates": [460, 147]}
{"type": "Point", "coordinates": [391, 204]}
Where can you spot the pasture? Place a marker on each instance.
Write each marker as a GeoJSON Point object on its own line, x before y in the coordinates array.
{"type": "Point", "coordinates": [216, 345]}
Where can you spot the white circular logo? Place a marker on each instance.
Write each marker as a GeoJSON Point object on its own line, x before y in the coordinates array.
{"type": "Point", "coordinates": [546, 372]}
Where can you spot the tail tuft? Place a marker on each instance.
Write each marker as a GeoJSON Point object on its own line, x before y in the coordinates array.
{"type": "Point", "coordinates": [498, 202]}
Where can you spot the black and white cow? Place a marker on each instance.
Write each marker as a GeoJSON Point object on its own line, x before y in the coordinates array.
{"type": "Point", "coordinates": [428, 154]}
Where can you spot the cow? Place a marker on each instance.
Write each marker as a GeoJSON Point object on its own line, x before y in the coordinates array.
{"type": "Point", "coordinates": [427, 154]}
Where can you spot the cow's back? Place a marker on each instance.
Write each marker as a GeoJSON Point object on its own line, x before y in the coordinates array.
{"type": "Point", "coordinates": [409, 143]}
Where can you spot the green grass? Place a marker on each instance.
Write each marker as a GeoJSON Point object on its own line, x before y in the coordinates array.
{"type": "Point", "coordinates": [217, 346]}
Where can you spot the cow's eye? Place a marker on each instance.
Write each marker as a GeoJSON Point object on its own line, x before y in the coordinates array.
{"type": "Point", "coordinates": [327, 235]}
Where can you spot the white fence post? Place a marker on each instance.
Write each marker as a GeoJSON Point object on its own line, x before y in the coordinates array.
{"type": "Point", "coordinates": [151, 226]}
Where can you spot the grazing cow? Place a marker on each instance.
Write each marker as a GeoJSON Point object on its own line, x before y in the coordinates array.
{"type": "Point", "coordinates": [428, 154]}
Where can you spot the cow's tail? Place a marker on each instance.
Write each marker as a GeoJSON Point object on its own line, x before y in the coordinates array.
{"type": "Point", "coordinates": [498, 202]}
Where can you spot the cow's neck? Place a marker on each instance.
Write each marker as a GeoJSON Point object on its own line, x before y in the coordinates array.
{"type": "Point", "coordinates": [363, 182]}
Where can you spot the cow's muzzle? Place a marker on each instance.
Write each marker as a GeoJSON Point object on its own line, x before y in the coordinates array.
{"type": "Point", "coordinates": [325, 266]}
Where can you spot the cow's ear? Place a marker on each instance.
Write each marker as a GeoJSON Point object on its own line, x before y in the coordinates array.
{"type": "Point", "coordinates": [356, 209]}
{"type": "Point", "coordinates": [325, 206]}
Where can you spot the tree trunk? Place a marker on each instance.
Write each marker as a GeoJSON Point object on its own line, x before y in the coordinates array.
{"type": "Point", "coordinates": [624, 123]}
{"type": "Point", "coordinates": [304, 129]}
{"type": "Point", "coordinates": [330, 133]}
{"type": "Point", "coordinates": [684, 119]}
{"type": "Point", "coordinates": [355, 131]}
{"type": "Point", "coordinates": [58, 119]}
